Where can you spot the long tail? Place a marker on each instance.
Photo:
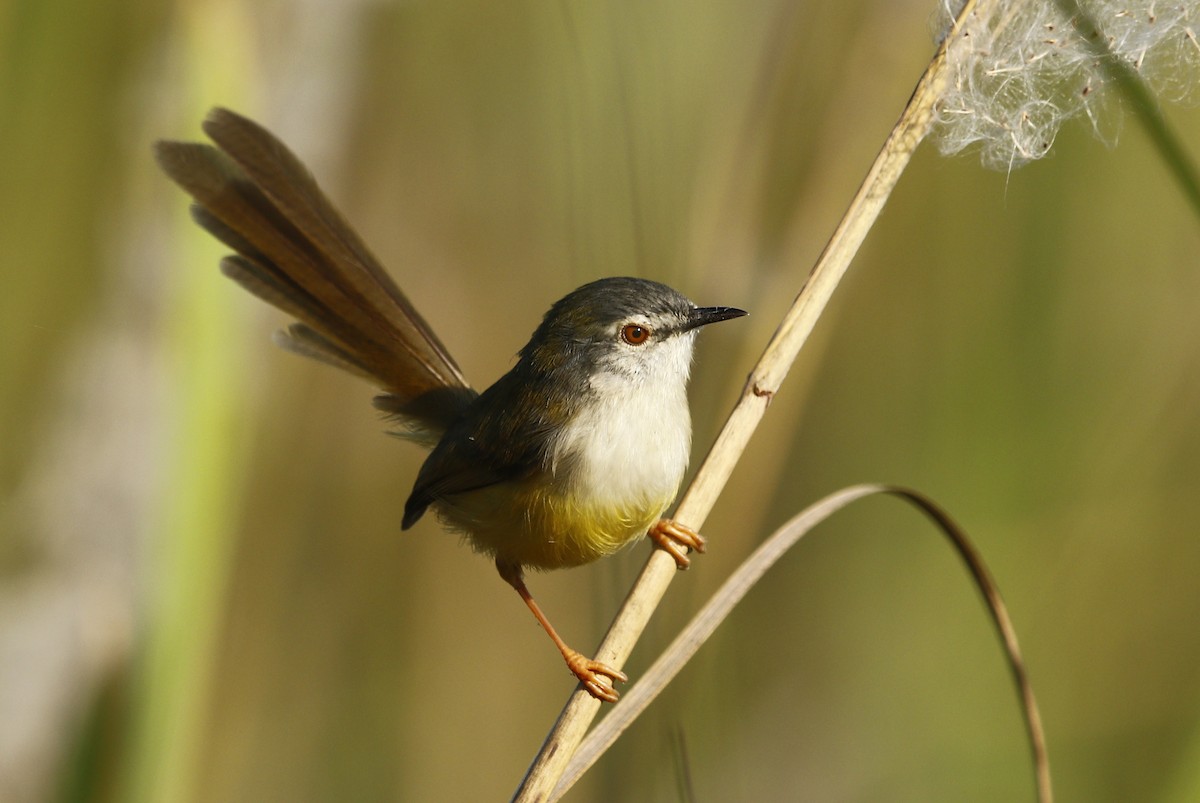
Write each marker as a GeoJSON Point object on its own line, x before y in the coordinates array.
{"type": "Point", "coordinates": [296, 252]}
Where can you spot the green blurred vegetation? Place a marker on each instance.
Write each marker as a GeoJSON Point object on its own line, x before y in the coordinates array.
{"type": "Point", "coordinates": [204, 593]}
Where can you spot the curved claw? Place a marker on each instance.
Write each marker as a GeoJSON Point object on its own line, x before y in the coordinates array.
{"type": "Point", "coordinates": [676, 539]}
{"type": "Point", "coordinates": [589, 673]}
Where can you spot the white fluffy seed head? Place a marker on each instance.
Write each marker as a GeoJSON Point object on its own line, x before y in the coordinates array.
{"type": "Point", "coordinates": [1019, 70]}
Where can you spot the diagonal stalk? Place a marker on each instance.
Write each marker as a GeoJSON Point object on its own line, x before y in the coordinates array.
{"type": "Point", "coordinates": [766, 377]}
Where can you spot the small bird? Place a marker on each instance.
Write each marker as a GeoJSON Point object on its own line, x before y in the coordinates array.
{"type": "Point", "coordinates": [571, 455]}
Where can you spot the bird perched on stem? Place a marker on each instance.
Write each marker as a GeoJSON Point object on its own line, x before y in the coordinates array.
{"type": "Point", "coordinates": [572, 454]}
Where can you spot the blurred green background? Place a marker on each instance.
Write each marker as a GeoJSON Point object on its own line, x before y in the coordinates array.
{"type": "Point", "coordinates": [204, 591]}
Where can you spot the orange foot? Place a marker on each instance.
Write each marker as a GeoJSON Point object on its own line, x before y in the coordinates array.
{"type": "Point", "coordinates": [589, 672]}
{"type": "Point", "coordinates": [676, 540]}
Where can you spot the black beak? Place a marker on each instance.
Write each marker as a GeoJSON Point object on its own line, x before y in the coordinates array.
{"type": "Point", "coordinates": [703, 316]}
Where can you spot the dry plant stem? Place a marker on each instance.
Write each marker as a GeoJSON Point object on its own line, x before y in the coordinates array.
{"type": "Point", "coordinates": [689, 641]}
{"type": "Point", "coordinates": [780, 353]}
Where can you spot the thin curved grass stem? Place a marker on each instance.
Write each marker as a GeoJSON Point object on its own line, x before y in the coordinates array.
{"type": "Point", "coordinates": [705, 623]}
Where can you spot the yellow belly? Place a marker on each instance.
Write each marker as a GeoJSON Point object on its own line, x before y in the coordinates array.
{"type": "Point", "coordinates": [545, 527]}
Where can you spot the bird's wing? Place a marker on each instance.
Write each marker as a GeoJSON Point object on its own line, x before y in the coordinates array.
{"type": "Point", "coordinates": [505, 436]}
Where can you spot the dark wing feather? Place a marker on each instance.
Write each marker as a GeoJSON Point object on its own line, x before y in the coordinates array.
{"type": "Point", "coordinates": [505, 437]}
{"type": "Point", "coordinates": [456, 466]}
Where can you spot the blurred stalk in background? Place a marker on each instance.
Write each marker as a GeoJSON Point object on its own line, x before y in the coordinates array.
{"type": "Point", "coordinates": [185, 575]}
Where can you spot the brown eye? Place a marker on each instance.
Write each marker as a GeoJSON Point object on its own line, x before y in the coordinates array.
{"type": "Point", "coordinates": [635, 335]}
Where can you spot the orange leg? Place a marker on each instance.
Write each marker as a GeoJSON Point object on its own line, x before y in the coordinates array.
{"type": "Point", "coordinates": [588, 671]}
{"type": "Point", "coordinates": [676, 540]}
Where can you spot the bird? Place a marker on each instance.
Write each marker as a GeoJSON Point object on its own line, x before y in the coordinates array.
{"type": "Point", "coordinates": [574, 453]}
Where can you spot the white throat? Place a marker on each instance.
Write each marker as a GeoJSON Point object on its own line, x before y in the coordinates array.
{"type": "Point", "coordinates": [633, 438]}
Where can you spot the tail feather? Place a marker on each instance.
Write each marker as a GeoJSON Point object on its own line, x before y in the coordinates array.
{"type": "Point", "coordinates": [291, 189]}
{"type": "Point", "coordinates": [302, 339]}
{"type": "Point", "coordinates": [278, 290]}
{"type": "Point", "coordinates": [297, 253]}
